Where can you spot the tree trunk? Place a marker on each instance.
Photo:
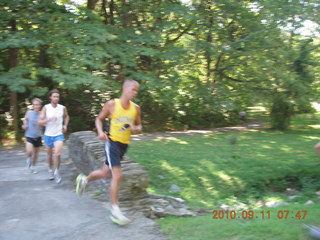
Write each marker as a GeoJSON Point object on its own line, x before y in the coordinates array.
{"type": "Point", "coordinates": [43, 62]}
{"type": "Point", "coordinates": [124, 15]}
{"type": "Point", "coordinates": [14, 114]}
{"type": "Point", "coordinates": [13, 62]}
{"type": "Point", "coordinates": [91, 4]}
{"type": "Point", "coordinates": [209, 41]}
{"type": "Point", "coordinates": [112, 9]}
{"type": "Point", "coordinates": [104, 11]}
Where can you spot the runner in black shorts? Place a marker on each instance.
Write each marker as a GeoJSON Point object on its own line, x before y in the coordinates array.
{"type": "Point", "coordinates": [36, 142]}
{"type": "Point", "coordinates": [114, 153]}
{"type": "Point", "coordinates": [33, 134]}
{"type": "Point", "coordinates": [124, 119]}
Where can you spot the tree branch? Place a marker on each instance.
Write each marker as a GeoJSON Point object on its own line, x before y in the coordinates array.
{"type": "Point", "coordinates": [180, 34]}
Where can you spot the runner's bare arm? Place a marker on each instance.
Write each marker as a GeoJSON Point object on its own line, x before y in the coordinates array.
{"type": "Point", "coordinates": [66, 119]}
{"type": "Point", "coordinates": [42, 118]}
{"type": "Point", "coordinates": [25, 121]}
{"type": "Point", "coordinates": [104, 113]}
{"type": "Point", "coordinates": [138, 125]}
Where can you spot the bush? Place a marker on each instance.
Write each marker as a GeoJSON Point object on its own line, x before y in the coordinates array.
{"type": "Point", "coordinates": [3, 128]}
{"type": "Point", "coordinates": [281, 113]}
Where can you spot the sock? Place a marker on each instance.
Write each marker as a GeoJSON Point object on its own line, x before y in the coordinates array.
{"type": "Point", "coordinates": [28, 161]}
{"type": "Point", "coordinates": [85, 181]}
{"type": "Point", "coordinates": [115, 206]}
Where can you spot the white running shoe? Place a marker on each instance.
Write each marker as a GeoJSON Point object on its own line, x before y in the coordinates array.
{"type": "Point", "coordinates": [117, 216]}
{"type": "Point", "coordinates": [81, 183]}
{"type": "Point", "coordinates": [51, 175]}
{"type": "Point", "coordinates": [28, 162]}
{"type": "Point", "coordinates": [32, 170]}
{"type": "Point", "coordinates": [57, 177]}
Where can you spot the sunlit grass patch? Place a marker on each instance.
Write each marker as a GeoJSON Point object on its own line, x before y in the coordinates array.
{"type": "Point", "coordinates": [267, 223]}
{"type": "Point", "coordinates": [240, 169]}
{"type": "Point", "coordinates": [260, 157]}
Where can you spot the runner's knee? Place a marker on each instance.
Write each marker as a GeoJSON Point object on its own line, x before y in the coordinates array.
{"type": "Point", "coordinates": [105, 173]}
{"type": "Point", "coordinates": [117, 176]}
{"type": "Point", "coordinates": [58, 154]}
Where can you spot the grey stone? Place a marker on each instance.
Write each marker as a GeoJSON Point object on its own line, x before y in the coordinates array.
{"type": "Point", "coordinates": [225, 207]}
{"type": "Point", "coordinates": [314, 231]}
{"type": "Point", "coordinates": [163, 205]}
{"type": "Point", "coordinates": [309, 202]}
{"type": "Point", "coordinates": [293, 197]}
{"type": "Point", "coordinates": [275, 204]}
{"type": "Point", "coordinates": [174, 188]}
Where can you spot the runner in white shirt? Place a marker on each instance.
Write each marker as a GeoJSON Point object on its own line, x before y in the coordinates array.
{"type": "Point", "coordinates": [55, 118]}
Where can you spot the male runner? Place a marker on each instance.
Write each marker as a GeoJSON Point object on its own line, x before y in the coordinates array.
{"type": "Point", "coordinates": [124, 119]}
{"type": "Point", "coordinates": [55, 117]}
{"type": "Point", "coordinates": [33, 133]}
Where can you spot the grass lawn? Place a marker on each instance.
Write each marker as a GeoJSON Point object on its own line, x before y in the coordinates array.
{"type": "Point", "coordinates": [238, 169]}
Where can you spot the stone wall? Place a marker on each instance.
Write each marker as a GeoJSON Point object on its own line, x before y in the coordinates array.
{"type": "Point", "coordinates": [86, 151]}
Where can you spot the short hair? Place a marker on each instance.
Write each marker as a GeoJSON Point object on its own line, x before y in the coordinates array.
{"type": "Point", "coordinates": [128, 82]}
{"type": "Point", "coordinates": [36, 99]}
{"type": "Point", "coordinates": [53, 91]}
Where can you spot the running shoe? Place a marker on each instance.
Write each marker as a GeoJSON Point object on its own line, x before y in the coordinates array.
{"type": "Point", "coordinates": [28, 162]}
{"type": "Point", "coordinates": [81, 183]}
{"type": "Point", "coordinates": [32, 170]}
{"type": "Point", "coordinates": [57, 177]}
{"type": "Point", "coordinates": [117, 216]}
{"type": "Point", "coordinates": [51, 175]}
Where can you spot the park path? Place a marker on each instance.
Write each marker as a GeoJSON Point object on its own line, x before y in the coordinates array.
{"type": "Point", "coordinates": [251, 124]}
{"type": "Point", "coordinates": [32, 207]}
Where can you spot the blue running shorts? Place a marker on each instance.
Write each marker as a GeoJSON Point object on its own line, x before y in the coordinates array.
{"type": "Point", "coordinates": [49, 141]}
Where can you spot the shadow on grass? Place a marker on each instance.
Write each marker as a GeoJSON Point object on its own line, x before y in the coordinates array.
{"type": "Point", "coordinates": [208, 168]}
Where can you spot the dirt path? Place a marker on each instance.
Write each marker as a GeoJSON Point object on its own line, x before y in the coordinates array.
{"type": "Point", "coordinates": [250, 125]}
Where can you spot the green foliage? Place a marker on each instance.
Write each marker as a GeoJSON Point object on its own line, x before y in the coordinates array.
{"type": "Point", "coordinates": [281, 113]}
{"type": "Point", "coordinates": [3, 128]}
{"type": "Point", "coordinates": [83, 107]}
{"type": "Point", "coordinates": [197, 63]}
{"type": "Point", "coordinates": [16, 80]}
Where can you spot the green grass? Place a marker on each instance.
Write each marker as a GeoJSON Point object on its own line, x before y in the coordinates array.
{"type": "Point", "coordinates": [203, 228]}
{"type": "Point", "coordinates": [210, 171]}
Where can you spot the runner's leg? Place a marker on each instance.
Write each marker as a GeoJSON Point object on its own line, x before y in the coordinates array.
{"type": "Point", "coordinates": [29, 150]}
{"type": "Point", "coordinates": [100, 173]}
{"type": "Point", "coordinates": [58, 145]}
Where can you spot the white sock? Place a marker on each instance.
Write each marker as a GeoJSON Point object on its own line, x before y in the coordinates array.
{"type": "Point", "coordinates": [85, 181]}
{"type": "Point", "coordinates": [115, 206]}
